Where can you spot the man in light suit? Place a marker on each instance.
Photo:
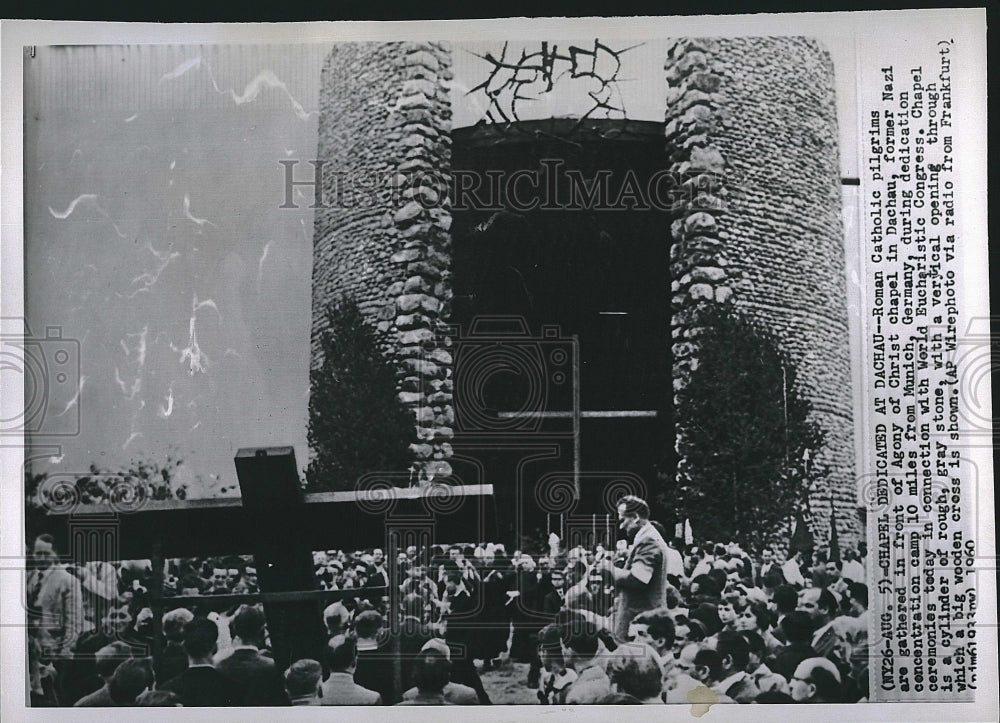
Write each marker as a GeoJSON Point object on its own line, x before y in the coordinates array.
{"type": "Point", "coordinates": [454, 693]}
{"type": "Point", "coordinates": [642, 583]}
{"type": "Point", "coordinates": [340, 688]}
{"type": "Point", "coordinates": [55, 599]}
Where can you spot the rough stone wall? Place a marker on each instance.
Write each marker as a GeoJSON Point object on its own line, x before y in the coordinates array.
{"type": "Point", "coordinates": [753, 125]}
{"type": "Point", "coordinates": [385, 114]}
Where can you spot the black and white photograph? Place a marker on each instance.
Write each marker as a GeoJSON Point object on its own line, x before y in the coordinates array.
{"type": "Point", "coordinates": [549, 365]}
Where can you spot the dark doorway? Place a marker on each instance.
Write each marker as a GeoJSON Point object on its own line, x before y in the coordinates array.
{"type": "Point", "coordinates": [564, 266]}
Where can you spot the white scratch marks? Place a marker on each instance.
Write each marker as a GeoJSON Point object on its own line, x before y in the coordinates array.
{"type": "Point", "coordinates": [166, 411]}
{"type": "Point", "coordinates": [76, 397]}
{"type": "Point", "coordinates": [128, 392]}
{"type": "Point", "coordinates": [269, 79]}
{"type": "Point", "coordinates": [190, 216]}
{"type": "Point", "coordinates": [192, 354]}
{"type": "Point", "coordinates": [260, 264]}
{"type": "Point", "coordinates": [140, 348]}
{"type": "Point", "coordinates": [198, 362]}
{"type": "Point", "coordinates": [131, 117]}
{"type": "Point", "coordinates": [87, 199]}
{"type": "Point", "coordinates": [182, 69]}
{"type": "Point", "coordinates": [150, 278]}
{"type": "Point", "coordinates": [206, 303]}
{"type": "Point", "coordinates": [82, 198]}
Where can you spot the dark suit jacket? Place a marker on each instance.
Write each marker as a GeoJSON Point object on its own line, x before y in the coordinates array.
{"type": "Point", "coordinates": [463, 627]}
{"type": "Point", "coordinates": [762, 572]}
{"type": "Point", "coordinates": [260, 679]}
{"type": "Point", "coordinates": [377, 579]}
{"type": "Point", "coordinates": [788, 658]}
{"type": "Point", "coordinates": [412, 637]}
{"type": "Point", "coordinates": [79, 676]}
{"type": "Point", "coordinates": [533, 590]}
{"type": "Point", "coordinates": [552, 603]}
{"type": "Point", "coordinates": [205, 687]}
{"type": "Point", "coordinates": [174, 661]}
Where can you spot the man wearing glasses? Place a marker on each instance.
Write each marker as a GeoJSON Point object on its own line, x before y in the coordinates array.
{"type": "Point", "coordinates": [816, 680]}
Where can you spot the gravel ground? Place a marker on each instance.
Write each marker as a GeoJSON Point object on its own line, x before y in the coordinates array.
{"type": "Point", "coordinates": [506, 684]}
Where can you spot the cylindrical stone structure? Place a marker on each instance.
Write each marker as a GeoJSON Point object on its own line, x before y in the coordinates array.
{"type": "Point", "coordinates": [382, 234]}
{"type": "Point", "coordinates": [750, 127]}
{"type": "Point", "coordinates": [753, 127]}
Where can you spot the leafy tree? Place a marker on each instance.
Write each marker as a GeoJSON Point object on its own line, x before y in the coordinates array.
{"type": "Point", "coordinates": [745, 435]}
{"type": "Point", "coordinates": [357, 425]}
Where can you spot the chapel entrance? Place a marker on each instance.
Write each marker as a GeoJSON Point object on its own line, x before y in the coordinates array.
{"type": "Point", "coordinates": [562, 294]}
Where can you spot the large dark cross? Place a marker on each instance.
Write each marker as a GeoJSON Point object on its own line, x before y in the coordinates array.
{"type": "Point", "coordinates": [281, 526]}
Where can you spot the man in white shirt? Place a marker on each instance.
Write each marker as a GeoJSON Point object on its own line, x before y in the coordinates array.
{"type": "Point", "coordinates": [734, 681]}
{"type": "Point", "coordinates": [705, 565]}
{"type": "Point", "coordinates": [675, 564]}
{"type": "Point", "coordinates": [791, 570]}
{"type": "Point", "coordinates": [854, 570]}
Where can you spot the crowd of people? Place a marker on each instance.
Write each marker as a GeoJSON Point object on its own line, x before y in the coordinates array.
{"type": "Point", "coordinates": [651, 621]}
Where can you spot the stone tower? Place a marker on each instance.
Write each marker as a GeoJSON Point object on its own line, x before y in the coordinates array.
{"type": "Point", "coordinates": [750, 122]}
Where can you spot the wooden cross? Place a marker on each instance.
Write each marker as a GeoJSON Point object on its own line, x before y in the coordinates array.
{"type": "Point", "coordinates": [281, 526]}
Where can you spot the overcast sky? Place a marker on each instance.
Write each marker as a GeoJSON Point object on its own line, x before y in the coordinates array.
{"type": "Point", "coordinates": [153, 236]}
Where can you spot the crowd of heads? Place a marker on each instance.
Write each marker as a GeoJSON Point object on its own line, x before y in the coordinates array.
{"type": "Point", "coordinates": [763, 628]}
{"type": "Point", "coordinates": [735, 624]}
